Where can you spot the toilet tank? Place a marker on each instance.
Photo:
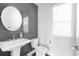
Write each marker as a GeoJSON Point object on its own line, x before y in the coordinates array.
{"type": "Point", "coordinates": [34, 43]}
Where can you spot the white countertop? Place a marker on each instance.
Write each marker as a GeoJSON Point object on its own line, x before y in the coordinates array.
{"type": "Point", "coordinates": [11, 44]}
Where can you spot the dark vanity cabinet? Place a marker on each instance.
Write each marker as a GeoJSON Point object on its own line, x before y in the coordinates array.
{"type": "Point", "coordinates": [26, 49]}
{"type": "Point", "coordinates": [6, 53]}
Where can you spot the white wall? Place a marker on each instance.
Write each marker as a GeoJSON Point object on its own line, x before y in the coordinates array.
{"type": "Point", "coordinates": [61, 46]}
{"type": "Point", "coordinates": [44, 22]}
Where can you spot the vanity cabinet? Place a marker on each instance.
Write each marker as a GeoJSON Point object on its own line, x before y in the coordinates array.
{"type": "Point", "coordinates": [26, 49]}
{"type": "Point", "coordinates": [6, 53]}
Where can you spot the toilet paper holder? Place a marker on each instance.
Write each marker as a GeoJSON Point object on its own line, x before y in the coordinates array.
{"type": "Point", "coordinates": [75, 47]}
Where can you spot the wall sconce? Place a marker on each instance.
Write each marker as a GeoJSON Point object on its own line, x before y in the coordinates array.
{"type": "Point", "coordinates": [25, 24]}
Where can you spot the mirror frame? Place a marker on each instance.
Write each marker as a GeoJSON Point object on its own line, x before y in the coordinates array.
{"type": "Point", "coordinates": [11, 18]}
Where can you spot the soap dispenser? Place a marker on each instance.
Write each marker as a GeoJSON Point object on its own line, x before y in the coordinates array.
{"type": "Point", "coordinates": [20, 34]}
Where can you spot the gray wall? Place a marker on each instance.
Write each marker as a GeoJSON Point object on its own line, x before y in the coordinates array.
{"type": "Point", "coordinates": [26, 9]}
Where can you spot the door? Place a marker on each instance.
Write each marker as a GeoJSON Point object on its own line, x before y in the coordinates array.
{"type": "Point", "coordinates": [64, 30]}
{"type": "Point", "coordinates": [77, 31]}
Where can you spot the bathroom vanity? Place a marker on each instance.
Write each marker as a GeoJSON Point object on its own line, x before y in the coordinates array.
{"type": "Point", "coordinates": [12, 20]}
{"type": "Point", "coordinates": [14, 45]}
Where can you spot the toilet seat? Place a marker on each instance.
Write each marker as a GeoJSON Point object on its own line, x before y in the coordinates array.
{"type": "Point", "coordinates": [41, 51]}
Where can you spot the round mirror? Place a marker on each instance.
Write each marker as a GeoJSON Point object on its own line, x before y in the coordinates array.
{"type": "Point", "coordinates": [11, 18]}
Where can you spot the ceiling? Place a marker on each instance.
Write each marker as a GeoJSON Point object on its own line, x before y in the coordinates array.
{"type": "Point", "coordinates": [52, 4]}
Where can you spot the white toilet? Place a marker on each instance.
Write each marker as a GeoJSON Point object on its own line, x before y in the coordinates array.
{"type": "Point", "coordinates": [39, 49]}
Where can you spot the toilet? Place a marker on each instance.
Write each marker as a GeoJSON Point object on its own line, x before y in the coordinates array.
{"type": "Point", "coordinates": [39, 49]}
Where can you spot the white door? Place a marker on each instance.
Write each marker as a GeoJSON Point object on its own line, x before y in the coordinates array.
{"type": "Point", "coordinates": [77, 31]}
{"type": "Point", "coordinates": [64, 41]}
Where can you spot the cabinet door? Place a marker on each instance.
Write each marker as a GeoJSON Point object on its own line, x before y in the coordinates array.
{"type": "Point", "coordinates": [6, 53]}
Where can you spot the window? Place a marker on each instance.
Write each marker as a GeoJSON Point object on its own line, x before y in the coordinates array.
{"type": "Point", "coordinates": [62, 20]}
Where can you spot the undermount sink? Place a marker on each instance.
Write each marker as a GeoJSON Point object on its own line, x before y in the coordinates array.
{"type": "Point", "coordinates": [12, 44]}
